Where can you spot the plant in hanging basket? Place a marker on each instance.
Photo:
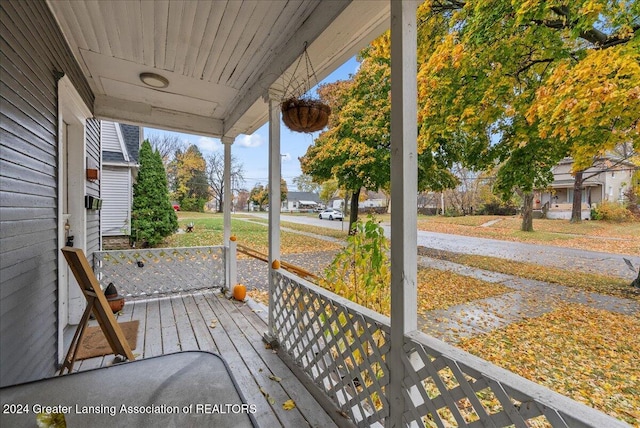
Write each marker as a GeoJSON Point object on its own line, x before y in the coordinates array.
{"type": "Point", "coordinates": [304, 114]}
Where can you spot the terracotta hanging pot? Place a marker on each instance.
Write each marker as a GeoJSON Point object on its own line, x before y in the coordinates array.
{"type": "Point", "coordinates": [302, 113]}
{"type": "Point", "coordinates": [305, 115]}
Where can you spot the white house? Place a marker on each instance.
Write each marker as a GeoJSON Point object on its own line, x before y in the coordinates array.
{"type": "Point", "coordinates": [120, 147]}
{"type": "Point", "coordinates": [301, 201]}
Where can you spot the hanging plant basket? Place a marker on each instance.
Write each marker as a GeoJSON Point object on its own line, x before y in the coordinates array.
{"type": "Point", "coordinates": [302, 113]}
{"type": "Point", "coordinates": [305, 115]}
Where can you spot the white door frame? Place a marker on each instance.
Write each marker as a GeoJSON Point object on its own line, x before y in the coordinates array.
{"type": "Point", "coordinates": [72, 116]}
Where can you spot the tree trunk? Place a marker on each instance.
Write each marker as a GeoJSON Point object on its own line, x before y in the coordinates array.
{"type": "Point", "coordinates": [576, 209]}
{"type": "Point", "coordinates": [527, 212]}
{"type": "Point", "coordinates": [353, 216]}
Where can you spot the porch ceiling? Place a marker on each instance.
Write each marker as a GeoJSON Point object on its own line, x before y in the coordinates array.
{"type": "Point", "coordinates": [220, 57]}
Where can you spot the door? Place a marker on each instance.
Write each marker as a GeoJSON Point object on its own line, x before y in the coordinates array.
{"type": "Point", "coordinates": [72, 115]}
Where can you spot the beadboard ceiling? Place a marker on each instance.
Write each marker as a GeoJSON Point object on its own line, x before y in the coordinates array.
{"type": "Point", "coordinates": [220, 57]}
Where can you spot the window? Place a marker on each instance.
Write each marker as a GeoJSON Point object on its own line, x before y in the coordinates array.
{"type": "Point", "coordinates": [583, 198]}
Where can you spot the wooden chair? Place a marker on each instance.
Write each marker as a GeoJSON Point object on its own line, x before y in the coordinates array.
{"type": "Point", "coordinates": [96, 302]}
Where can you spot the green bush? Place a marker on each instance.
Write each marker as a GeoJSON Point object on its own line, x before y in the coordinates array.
{"type": "Point", "coordinates": [361, 270]}
{"type": "Point", "coordinates": [497, 208]}
{"type": "Point", "coordinates": [192, 204]}
{"type": "Point", "coordinates": [611, 211]}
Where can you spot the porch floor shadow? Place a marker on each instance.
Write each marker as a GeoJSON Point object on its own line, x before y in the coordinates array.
{"type": "Point", "coordinates": [210, 322]}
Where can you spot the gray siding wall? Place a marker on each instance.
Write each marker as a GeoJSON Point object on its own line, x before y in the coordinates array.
{"type": "Point", "coordinates": [32, 50]}
{"type": "Point", "coordinates": [93, 188]}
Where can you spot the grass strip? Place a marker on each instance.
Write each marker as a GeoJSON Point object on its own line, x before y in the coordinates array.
{"type": "Point", "coordinates": [585, 281]}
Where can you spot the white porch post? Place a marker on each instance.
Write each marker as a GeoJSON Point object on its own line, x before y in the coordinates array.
{"type": "Point", "coordinates": [404, 191]}
{"type": "Point", "coordinates": [274, 199]}
{"type": "Point", "coordinates": [231, 252]}
{"type": "Point", "coordinates": [226, 192]}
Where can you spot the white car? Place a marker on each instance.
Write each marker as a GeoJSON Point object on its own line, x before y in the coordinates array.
{"type": "Point", "coordinates": [331, 214]}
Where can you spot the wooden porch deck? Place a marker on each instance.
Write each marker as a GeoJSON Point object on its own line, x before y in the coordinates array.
{"type": "Point", "coordinates": [182, 323]}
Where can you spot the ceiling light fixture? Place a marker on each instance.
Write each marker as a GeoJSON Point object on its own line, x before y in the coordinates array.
{"type": "Point", "coordinates": [154, 80]}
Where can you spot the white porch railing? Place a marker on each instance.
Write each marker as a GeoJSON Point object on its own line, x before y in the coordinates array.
{"type": "Point", "coordinates": [343, 348]}
{"type": "Point", "coordinates": [148, 272]}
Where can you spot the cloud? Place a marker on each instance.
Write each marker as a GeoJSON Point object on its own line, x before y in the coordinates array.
{"type": "Point", "coordinates": [286, 157]}
{"type": "Point", "coordinates": [206, 144]}
{"type": "Point", "coordinates": [253, 140]}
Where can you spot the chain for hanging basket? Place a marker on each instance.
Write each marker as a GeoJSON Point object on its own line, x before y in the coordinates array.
{"type": "Point", "coordinates": [304, 113]}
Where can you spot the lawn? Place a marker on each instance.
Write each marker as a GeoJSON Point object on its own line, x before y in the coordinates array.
{"type": "Point", "coordinates": [619, 238]}
{"type": "Point", "coordinates": [209, 230]}
{"type": "Point", "coordinates": [441, 289]}
{"type": "Point", "coordinates": [587, 354]}
{"type": "Point", "coordinates": [324, 231]}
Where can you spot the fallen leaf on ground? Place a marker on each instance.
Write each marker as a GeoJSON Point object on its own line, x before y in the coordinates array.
{"type": "Point", "coordinates": [274, 377]}
{"type": "Point", "coordinates": [289, 404]}
{"type": "Point", "coordinates": [269, 398]}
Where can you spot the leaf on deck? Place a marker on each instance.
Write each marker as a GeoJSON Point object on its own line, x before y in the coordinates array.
{"type": "Point", "coordinates": [289, 404]}
{"type": "Point", "coordinates": [269, 398]}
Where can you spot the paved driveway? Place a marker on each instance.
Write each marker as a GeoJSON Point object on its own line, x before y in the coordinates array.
{"type": "Point", "coordinates": [583, 260]}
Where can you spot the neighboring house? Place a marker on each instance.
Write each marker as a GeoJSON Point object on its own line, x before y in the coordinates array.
{"type": "Point", "coordinates": [605, 181]}
{"type": "Point", "coordinates": [120, 147]}
{"type": "Point", "coordinates": [374, 201]}
{"type": "Point", "coordinates": [301, 201]}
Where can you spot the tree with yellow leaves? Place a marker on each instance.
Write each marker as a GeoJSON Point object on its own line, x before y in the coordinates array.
{"type": "Point", "coordinates": [524, 83]}
{"type": "Point", "coordinates": [191, 185]}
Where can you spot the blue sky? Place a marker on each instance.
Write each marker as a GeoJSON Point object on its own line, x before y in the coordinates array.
{"type": "Point", "coordinates": [252, 150]}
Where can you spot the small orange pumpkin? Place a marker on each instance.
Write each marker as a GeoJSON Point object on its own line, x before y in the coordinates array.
{"type": "Point", "coordinates": [233, 238]}
{"type": "Point", "coordinates": [276, 264]}
{"type": "Point", "coordinates": [239, 292]}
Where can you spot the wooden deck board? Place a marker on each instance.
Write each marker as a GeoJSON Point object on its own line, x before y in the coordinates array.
{"type": "Point", "coordinates": [139, 312]}
{"type": "Point", "coordinates": [229, 315]}
{"type": "Point", "coordinates": [254, 326]}
{"type": "Point", "coordinates": [199, 325]}
{"type": "Point", "coordinates": [242, 373]}
{"type": "Point", "coordinates": [183, 323]}
{"type": "Point", "coordinates": [152, 331]}
{"type": "Point", "coordinates": [170, 341]}
{"type": "Point", "coordinates": [186, 335]}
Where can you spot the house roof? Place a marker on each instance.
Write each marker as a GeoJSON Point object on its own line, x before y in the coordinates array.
{"type": "Point", "coordinates": [220, 58]}
{"type": "Point", "coordinates": [303, 197]}
{"type": "Point", "coordinates": [131, 136]}
{"type": "Point", "coordinates": [108, 156]}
